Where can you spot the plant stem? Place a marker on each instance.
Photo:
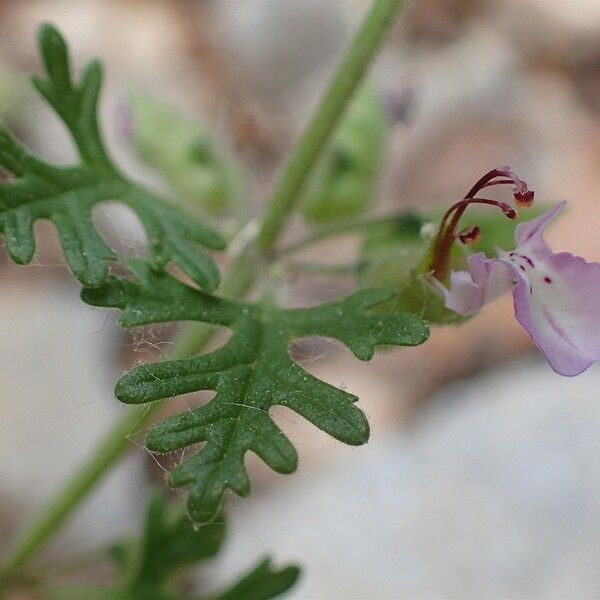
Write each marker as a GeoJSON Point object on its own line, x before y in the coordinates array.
{"type": "Point", "coordinates": [323, 122]}
{"type": "Point", "coordinates": [242, 273]}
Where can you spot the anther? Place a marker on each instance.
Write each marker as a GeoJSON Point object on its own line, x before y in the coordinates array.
{"type": "Point", "coordinates": [447, 233]}
{"type": "Point", "coordinates": [470, 235]}
{"type": "Point", "coordinates": [524, 199]}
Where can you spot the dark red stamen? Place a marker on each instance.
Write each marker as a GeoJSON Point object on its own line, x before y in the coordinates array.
{"type": "Point", "coordinates": [448, 227]}
{"type": "Point", "coordinates": [470, 235]}
{"type": "Point", "coordinates": [524, 199]}
{"type": "Point", "coordinates": [520, 190]}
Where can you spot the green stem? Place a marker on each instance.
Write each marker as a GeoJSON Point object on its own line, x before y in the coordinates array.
{"type": "Point", "coordinates": [324, 120]}
{"type": "Point", "coordinates": [243, 272]}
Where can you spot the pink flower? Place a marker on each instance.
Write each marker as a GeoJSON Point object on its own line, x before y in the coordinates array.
{"type": "Point", "coordinates": [555, 295]}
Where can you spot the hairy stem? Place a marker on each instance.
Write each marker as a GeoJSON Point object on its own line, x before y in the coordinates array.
{"type": "Point", "coordinates": [243, 272]}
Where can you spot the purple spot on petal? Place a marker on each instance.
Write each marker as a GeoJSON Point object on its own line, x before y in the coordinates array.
{"type": "Point", "coordinates": [522, 268]}
{"type": "Point", "coordinates": [547, 279]}
{"type": "Point", "coordinates": [525, 258]}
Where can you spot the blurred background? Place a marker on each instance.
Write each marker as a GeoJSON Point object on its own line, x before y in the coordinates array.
{"type": "Point", "coordinates": [481, 478]}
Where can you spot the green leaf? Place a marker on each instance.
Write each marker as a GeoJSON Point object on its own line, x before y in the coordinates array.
{"type": "Point", "coordinates": [251, 373]}
{"type": "Point", "coordinates": [343, 183]}
{"type": "Point", "coordinates": [262, 583]}
{"type": "Point", "coordinates": [187, 155]}
{"type": "Point", "coordinates": [75, 103]}
{"type": "Point", "coordinates": [67, 195]}
{"type": "Point", "coordinates": [168, 545]}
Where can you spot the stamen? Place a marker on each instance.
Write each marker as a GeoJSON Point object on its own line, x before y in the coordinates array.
{"type": "Point", "coordinates": [508, 210]}
{"type": "Point", "coordinates": [505, 207]}
{"type": "Point", "coordinates": [470, 235]}
{"type": "Point", "coordinates": [524, 199]}
{"type": "Point", "coordinates": [448, 227]}
{"type": "Point", "coordinates": [523, 195]}
{"type": "Point", "coordinates": [529, 261]}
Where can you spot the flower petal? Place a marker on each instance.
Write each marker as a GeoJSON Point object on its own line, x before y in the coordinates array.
{"type": "Point", "coordinates": [485, 280]}
{"type": "Point", "coordinates": [557, 303]}
{"type": "Point", "coordinates": [533, 230]}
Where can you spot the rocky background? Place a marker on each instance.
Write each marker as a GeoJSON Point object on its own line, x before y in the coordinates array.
{"type": "Point", "coordinates": [481, 479]}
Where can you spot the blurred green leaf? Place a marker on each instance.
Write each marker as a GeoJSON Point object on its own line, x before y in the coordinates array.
{"type": "Point", "coordinates": [262, 583]}
{"type": "Point", "coordinates": [187, 155]}
{"type": "Point", "coordinates": [12, 94]}
{"type": "Point", "coordinates": [169, 546]}
{"type": "Point", "coordinates": [169, 543]}
{"type": "Point", "coordinates": [67, 195]}
{"type": "Point", "coordinates": [343, 184]}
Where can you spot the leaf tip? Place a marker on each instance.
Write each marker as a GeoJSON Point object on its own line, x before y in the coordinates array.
{"type": "Point", "coordinates": [130, 388]}
{"type": "Point", "coordinates": [50, 39]}
{"type": "Point", "coordinates": [154, 442]}
{"type": "Point", "coordinates": [363, 351]}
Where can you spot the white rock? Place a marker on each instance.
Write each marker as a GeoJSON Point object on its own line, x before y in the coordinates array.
{"type": "Point", "coordinates": [493, 493]}
{"type": "Point", "coordinates": [57, 401]}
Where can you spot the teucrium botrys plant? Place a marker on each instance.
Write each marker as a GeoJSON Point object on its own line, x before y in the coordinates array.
{"type": "Point", "coordinates": [411, 272]}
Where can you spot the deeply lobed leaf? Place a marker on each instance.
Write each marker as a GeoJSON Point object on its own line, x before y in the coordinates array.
{"type": "Point", "coordinates": [169, 546]}
{"type": "Point", "coordinates": [66, 196]}
{"type": "Point", "coordinates": [251, 373]}
{"type": "Point", "coordinates": [169, 543]}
